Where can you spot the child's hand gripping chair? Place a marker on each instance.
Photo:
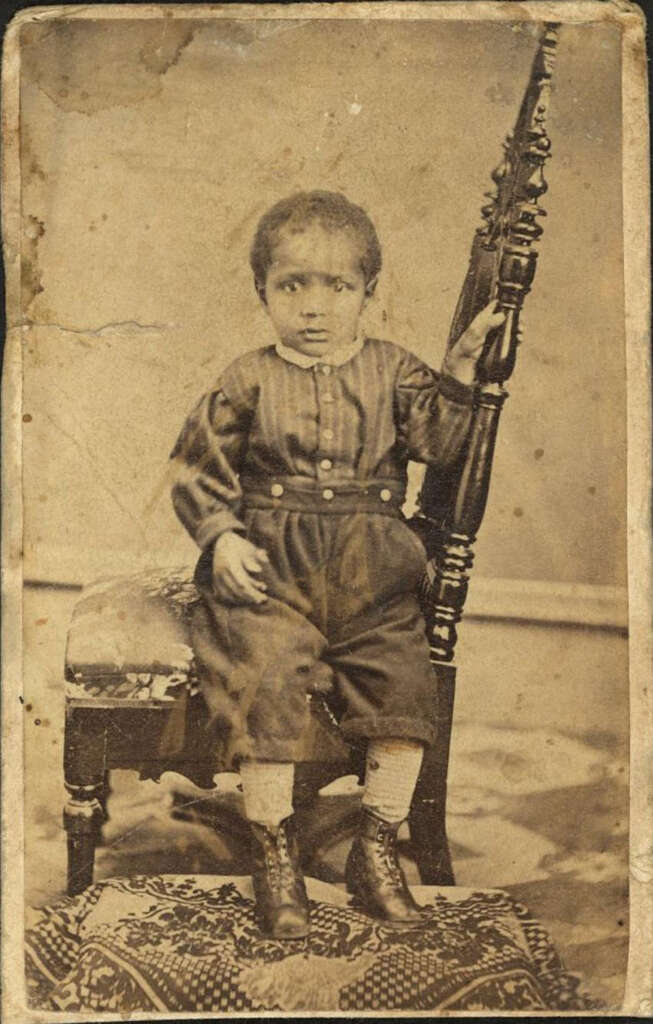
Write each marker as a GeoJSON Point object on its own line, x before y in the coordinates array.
{"type": "Point", "coordinates": [132, 699]}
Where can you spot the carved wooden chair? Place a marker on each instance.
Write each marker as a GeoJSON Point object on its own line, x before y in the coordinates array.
{"type": "Point", "coordinates": [132, 699]}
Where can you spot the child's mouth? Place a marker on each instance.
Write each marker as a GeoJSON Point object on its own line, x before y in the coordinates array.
{"type": "Point", "coordinates": [314, 334]}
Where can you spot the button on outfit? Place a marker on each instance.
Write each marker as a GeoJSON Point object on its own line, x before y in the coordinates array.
{"type": "Point", "coordinates": [341, 612]}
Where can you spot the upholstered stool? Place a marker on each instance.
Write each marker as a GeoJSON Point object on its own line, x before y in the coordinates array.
{"type": "Point", "coordinates": [133, 701]}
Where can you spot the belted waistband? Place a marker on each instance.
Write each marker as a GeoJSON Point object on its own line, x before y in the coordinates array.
{"type": "Point", "coordinates": [333, 497]}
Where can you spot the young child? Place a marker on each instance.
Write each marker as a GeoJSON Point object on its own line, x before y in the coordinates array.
{"type": "Point", "coordinates": [290, 476]}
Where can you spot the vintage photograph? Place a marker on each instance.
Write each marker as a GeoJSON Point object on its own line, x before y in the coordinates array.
{"type": "Point", "coordinates": [321, 449]}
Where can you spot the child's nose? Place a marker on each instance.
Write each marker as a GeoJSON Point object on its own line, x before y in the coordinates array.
{"type": "Point", "coordinates": [314, 301]}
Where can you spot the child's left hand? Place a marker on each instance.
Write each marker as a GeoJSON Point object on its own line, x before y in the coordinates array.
{"type": "Point", "coordinates": [460, 361]}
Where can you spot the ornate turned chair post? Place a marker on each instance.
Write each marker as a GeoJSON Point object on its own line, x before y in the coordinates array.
{"type": "Point", "coordinates": [452, 504]}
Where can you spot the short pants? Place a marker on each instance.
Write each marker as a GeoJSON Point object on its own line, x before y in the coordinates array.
{"type": "Point", "coordinates": [341, 618]}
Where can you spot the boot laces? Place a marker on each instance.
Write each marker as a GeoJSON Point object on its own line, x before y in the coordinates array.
{"type": "Point", "coordinates": [392, 861]}
{"type": "Point", "coordinates": [278, 861]}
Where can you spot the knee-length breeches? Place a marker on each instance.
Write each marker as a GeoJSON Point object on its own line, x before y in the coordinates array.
{"type": "Point", "coordinates": [341, 615]}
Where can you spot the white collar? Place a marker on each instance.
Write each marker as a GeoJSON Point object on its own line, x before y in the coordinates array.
{"type": "Point", "coordinates": [336, 357]}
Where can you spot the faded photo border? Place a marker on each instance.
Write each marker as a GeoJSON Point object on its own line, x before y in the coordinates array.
{"type": "Point", "coordinates": [638, 999]}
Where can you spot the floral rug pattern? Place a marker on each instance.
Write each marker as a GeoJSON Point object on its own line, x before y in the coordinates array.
{"type": "Point", "coordinates": [175, 943]}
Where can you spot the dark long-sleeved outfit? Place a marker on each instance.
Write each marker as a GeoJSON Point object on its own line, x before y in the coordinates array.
{"type": "Point", "coordinates": [309, 462]}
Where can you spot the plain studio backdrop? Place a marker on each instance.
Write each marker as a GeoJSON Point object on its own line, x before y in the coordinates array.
{"type": "Point", "coordinates": [150, 150]}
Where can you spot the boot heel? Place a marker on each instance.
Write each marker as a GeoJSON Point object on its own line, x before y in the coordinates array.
{"type": "Point", "coordinates": [373, 875]}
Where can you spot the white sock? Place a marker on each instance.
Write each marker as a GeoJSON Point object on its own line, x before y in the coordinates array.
{"type": "Point", "coordinates": [391, 771]}
{"type": "Point", "coordinates": [267, 790]}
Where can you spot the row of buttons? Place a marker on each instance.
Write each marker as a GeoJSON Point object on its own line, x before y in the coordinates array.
{"type": "Point", "coordinates": [327, 433]}
{"type": "Point", "coordinates": [276, 490]}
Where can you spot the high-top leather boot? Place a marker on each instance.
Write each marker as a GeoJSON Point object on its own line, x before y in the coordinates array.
{"type": "Point", "coordinates": [374, 875]}
{"type": "Point", "coordinates": [281, 901]}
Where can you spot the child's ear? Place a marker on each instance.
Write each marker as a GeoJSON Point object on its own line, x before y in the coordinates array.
{"type": "Point", "coordinates": [370, 288]}
{"type": "Point", "coordinates": [260, 291]}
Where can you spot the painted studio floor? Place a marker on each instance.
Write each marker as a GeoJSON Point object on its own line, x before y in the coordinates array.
{"type": "Point", "coordinates": [533, 812]}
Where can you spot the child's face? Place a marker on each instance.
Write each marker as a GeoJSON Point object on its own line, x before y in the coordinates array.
{"type": "Point", "coordinates": [315, 289]}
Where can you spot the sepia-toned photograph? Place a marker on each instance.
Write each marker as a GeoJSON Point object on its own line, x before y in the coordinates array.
{"type": "Point", "coordinates": [326, 456]}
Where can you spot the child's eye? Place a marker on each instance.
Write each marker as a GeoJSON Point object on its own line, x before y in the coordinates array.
{"type": "Point", "coordinates": [289, 286]}
{"type": "Point", "coordinates": [340, 286]}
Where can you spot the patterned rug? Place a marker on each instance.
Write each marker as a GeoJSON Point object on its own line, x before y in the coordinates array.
{"type": "Point", "coordinates": [173, 943]}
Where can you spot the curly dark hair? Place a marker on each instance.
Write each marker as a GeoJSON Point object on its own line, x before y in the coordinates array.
{"type": "Point", "coordinates": [333, 211]}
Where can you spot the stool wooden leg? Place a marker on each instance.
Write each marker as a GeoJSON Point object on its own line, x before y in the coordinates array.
{"type": "Point", "coordinates": [82, 819]}
{"type": "Point", "coordinates": [85, 778]}
{"type": "Point", "coordinates": [427, 819]}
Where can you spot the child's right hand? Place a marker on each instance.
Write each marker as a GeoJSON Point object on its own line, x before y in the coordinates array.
{"type": "Point", "coordinates": [236, 564]}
